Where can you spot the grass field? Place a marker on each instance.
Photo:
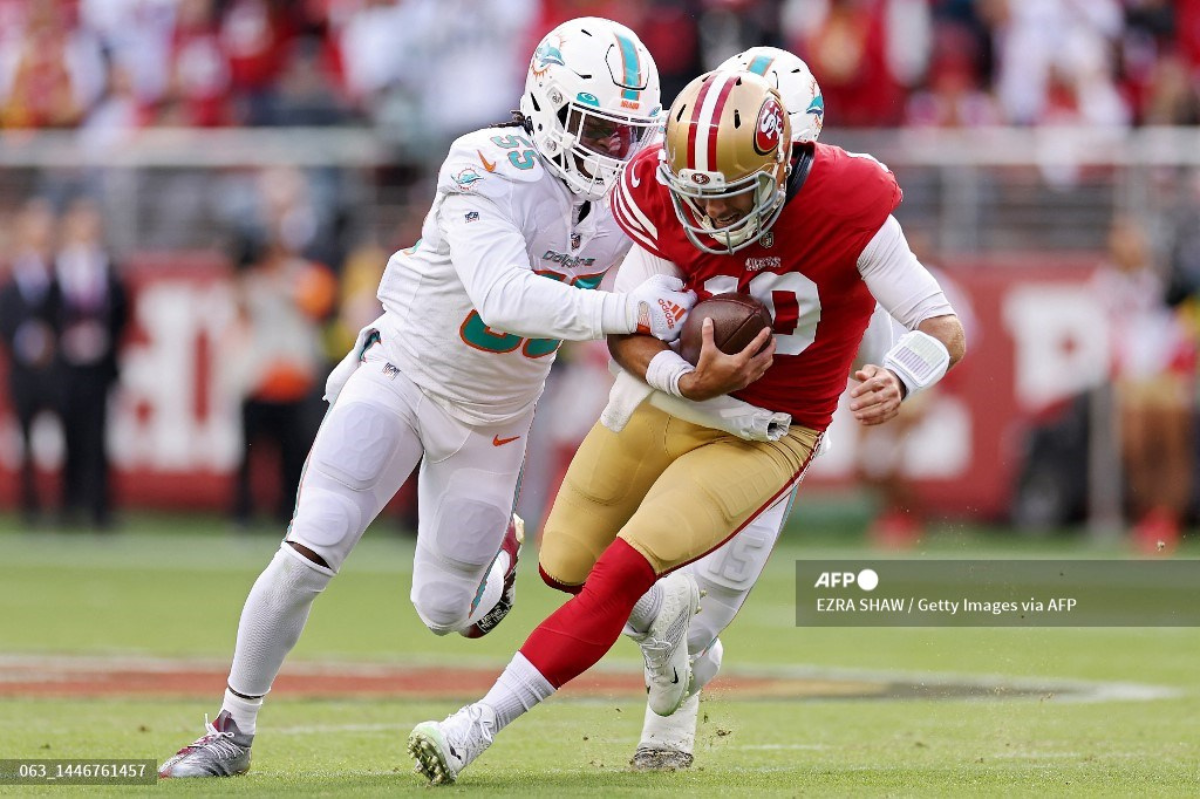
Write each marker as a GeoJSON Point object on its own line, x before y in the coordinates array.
{"type": "Point", "coordinates": [171, 588]}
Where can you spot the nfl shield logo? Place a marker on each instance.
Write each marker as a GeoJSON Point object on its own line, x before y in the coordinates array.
{"type": "Point", "coordinates": [576, 240]}
{"type": "Point", "coordinates": [768, 239]}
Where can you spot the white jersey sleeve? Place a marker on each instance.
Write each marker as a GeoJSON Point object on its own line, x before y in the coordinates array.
{"type": "Point", "coordinates": [476, 309]}
{"type": "Point", "coordinates": [489, 253]}
{"type": "Point", "coordinates": [898, 281]}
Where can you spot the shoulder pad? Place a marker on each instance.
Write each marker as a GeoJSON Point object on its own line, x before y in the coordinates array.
{"type": "Point", "coordinates": [486, 160]}
{"type": "Point", "coordinates": [864, 191]}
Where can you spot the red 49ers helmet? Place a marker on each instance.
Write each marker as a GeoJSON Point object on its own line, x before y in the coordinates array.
{"type": "Point", "coordinates": [727, 137]}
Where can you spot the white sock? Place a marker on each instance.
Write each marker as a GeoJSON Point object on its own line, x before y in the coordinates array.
{"type": "Point", "coordinates": [645, 610]}
{"type": "Point", "coordinates": [519, 688]}
{"type": "Point", "coordinates": [243, 710]}
{"type": "Point", "coordinates": [272, 619]}
{"type": "Point", "coordinates": [493, 587]}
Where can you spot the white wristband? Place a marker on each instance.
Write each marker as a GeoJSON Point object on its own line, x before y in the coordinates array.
{"type": "Point", "coordinates": [664, 371]}
{"type": "Point", "coordinates": [919, 361]}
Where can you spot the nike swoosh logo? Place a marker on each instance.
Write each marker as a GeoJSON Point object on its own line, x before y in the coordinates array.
{"type": "Point", "coordinates": [497, 441]}
{"type": "Point", "coordinates": [490, 166]}
{"type": "Point", "coordinates": [675, 672]}
{"type": "Point", "coordinates": [633, 179]}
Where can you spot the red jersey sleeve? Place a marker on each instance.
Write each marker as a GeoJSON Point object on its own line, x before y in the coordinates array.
{"type": "Point", "coordinates": [637, 203]}
{"type": "Point", "coordinates": [866, 192]}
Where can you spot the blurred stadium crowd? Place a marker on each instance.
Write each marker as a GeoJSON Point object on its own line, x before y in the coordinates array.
{"type": "Point", "coordinates": [447, 66]}
{"type": "Point", "coordinates": [306, 243]}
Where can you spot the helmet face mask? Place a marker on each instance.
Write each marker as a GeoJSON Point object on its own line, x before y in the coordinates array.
{"type": "Point", "coordinates": [727, 152]}
{"type": "Point", "coordinates": [592, 101]}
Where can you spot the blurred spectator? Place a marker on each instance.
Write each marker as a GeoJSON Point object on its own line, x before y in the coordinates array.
{"type": "Point", "coordinates": [256, 37]}
{"type": "Point", "coordinates": [307, 93]}
{"type": "Point", "coordinates": [727, 27]}
{"type": "Point", "coordinates": [429, 70]}
{"type": "Point", "coordinates": [1055, 62]}
{"type": "Point", "coordinates": [53, 74]}
{"type": "Point", "coordinates": [117, 114]}
{"type": "Point", "coordinates": [282, 298]}
{"type": "Point", "coordinates": [954, 94]}
{"type": "Point", "coordinates": [93, 318]}
{"type": "Point", "coordinates": [136, 34]}
{"type": "Point", "coordinates": [845, 43]}
{"type": "Point", "coordinates": [199, 83]}
{"type": "Point", "coordinates": [1152, 361]}
{"type": "Point", "coordinates": [29, 315]}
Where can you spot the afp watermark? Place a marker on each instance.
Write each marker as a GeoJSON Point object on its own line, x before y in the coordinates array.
{"type": "Point", "coordinates": [959, 593]}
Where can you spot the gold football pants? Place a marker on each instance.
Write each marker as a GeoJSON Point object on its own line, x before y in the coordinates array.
{"type": "Point", "coordinates": [673, 490]}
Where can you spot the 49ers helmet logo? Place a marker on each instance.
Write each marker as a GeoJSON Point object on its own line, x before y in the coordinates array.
{"type": "Point", "coordinates": [770, 126]}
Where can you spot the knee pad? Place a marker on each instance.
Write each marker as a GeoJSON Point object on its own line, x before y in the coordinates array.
{"type": "Point", "coordinates": [468, 532]}
{"type": "Point", "coordinates": [327, 523]}
{"type": "Point", "coordinates": [356, 444]}
{"type": "Point", "coordinates": [443, 606]}
{"type": "Point", "coordinates": [566, 560]}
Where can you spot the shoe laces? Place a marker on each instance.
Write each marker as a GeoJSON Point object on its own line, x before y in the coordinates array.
{"type": "Point", "coordinates": [477, 732]}
{"type": "Point", "coordinates": [216, 741]}
{"type": "Point", "coordinates": [656, 653]}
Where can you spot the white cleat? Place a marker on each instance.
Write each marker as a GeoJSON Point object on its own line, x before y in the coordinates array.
{"type": "Point", "coordinates": [444, 749]}
{"type": "Point", "coordinates": [664, 648]}
{"type": "Point", "coordinates": [667, 742]}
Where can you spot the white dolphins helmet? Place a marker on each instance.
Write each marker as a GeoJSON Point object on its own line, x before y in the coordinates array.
{"type": "Point", "coordinates": [791, 76]}
{"type": "Point", "coordinates": [592, 101]}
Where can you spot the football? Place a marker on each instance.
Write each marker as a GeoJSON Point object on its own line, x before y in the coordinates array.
{"type": "Point", "coordinates": [737, 319]}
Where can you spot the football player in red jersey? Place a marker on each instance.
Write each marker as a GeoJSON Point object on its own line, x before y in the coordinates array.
{"type": "Point", "coordinates": [727, 205]}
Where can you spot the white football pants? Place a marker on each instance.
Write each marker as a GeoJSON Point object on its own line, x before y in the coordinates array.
{"type": "Point", "coordinates": [727, 575]}
{"type": "Point", "coordinates": [380, 426]}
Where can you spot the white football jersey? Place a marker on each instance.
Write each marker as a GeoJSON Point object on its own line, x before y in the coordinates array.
{"type": "Point", "coordinates": [500, 220]}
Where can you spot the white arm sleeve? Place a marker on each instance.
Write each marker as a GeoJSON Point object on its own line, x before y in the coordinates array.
{"type": "Point", "coordinates": [490, 257]}
{"type": "Point", "coordinates": [898, 281]}
{"type": "Point", "coordinates": [641, 264]}
{"type": "Point", "coordinates": [881, 336]}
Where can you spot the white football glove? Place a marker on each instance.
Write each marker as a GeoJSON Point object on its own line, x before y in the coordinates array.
{"type": "Point", "coordinates": [345, 368]}
{"type": "Point", "coordinates": [658, 306]}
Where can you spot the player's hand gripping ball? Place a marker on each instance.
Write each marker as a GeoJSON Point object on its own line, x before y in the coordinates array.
{"type": "Point", "coordinates": [737, 319]}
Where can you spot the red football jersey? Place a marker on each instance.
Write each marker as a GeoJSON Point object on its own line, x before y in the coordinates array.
{"type": "Point", "coordinates": [804, 270]}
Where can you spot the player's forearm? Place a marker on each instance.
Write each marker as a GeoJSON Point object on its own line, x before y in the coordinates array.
{"type": "Point", "coordinates": [633, 352]}
{"type": "Point", "coordinates": [949, 331]}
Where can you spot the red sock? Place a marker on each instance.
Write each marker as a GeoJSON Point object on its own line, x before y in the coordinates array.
{"type": "Point", "coordinates": [579, 633]}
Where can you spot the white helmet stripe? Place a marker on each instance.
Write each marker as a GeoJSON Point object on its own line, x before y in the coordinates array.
{"type": "Point", "coordinates": [706, 120]}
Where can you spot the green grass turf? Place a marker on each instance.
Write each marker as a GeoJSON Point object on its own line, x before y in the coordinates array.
{"type": "Point", "coordinates": [175, 587]}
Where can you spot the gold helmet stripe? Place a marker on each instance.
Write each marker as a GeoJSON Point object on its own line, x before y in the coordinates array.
{"type": "Point", "coordinates": [702, 153]}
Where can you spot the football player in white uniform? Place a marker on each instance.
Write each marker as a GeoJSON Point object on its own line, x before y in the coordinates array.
{"type": "Point", "coordinates": [449, 375]}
